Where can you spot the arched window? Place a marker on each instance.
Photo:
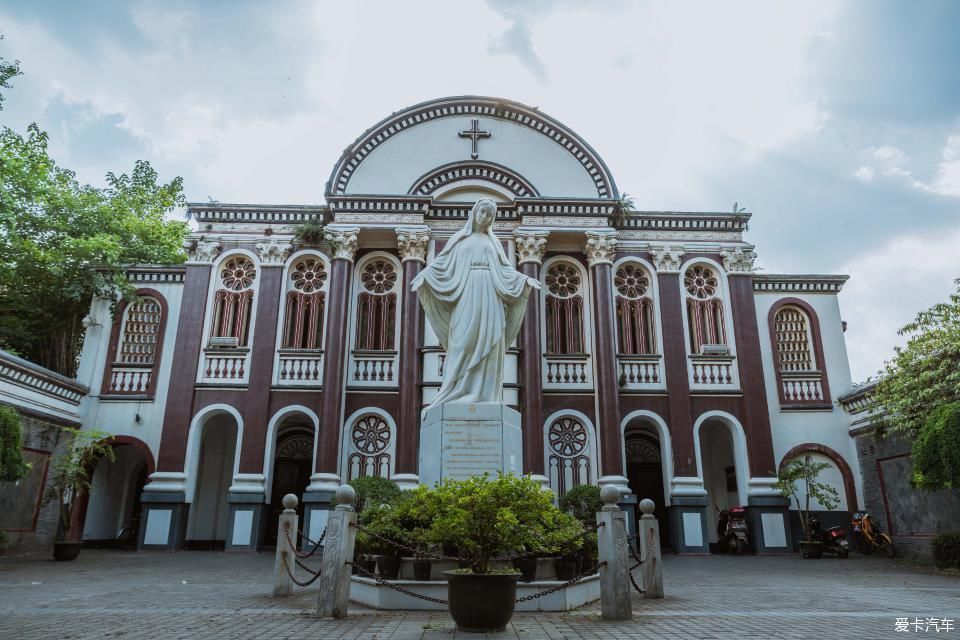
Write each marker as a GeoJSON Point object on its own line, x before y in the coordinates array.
{"type": "Point", "coordinates": [704, 307]}
{"type": "Point", "coordinates": [305, 304]}
{"type": "Point", "coordinates": [135, 345]}
{"type": "Point", "coordinates": [564, 310]}
{"type": "Point", "coordinates": [798, 355]}
{"type": "Point", "coordinates": [233, 302]}
{"type": "Point", "coordinates": [568, 454]}
{"type": "Point", "coordinates": [377, 306]}
{"type": "Point", "coordinates": [794, 344]}
{"type": "Point", "coordinates": [140, 332]}
{"type": "Point", "coordinates": [370, 447]}
{"type": "Point", "coordinates": [635, 320]}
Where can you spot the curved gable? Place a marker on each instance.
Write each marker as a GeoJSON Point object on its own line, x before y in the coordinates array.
{"type": "Point", "coordinates": [395, 155]}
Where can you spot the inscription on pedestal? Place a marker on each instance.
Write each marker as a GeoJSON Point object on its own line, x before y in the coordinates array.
{"type": "Point", "coordinates": [471, 448]}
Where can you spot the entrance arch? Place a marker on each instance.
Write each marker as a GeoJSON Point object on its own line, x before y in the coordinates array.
{"type": "Point", "coordinates": [721, 450]}
{"type": "Point", "coordinates": [290, 454]}
{"type": "Point", "coordinates": [648, 463]}
{"type": "Point", "coordinates": [113, 502]}
{"type": "Point", "coordinates": [213, 460]}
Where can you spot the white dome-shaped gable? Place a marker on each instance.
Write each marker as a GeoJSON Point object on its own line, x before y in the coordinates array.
{"type": "Point", "coordinates": [457, 148]}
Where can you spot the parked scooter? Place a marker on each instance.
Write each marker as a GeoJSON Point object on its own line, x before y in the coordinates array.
{"type": "Point", "coordinates": [867, 535]}
{"type": "Point", "coordinates": [834, 539]}
{"type": "Point", "coordinates": [732, 530]}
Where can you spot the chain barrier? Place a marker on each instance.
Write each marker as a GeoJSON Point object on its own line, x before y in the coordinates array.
{"type": "Point", "coordinates": [648, 576]}
{"type": "Point", "coordinates": [438, 556]}
{"type": "Point", "coordinates": [315, 574]}
{"type": "Point", "coordinates": [379, 580]}
{"type": "Point", "coordinates": [300, 554]}
{"type": "Point", "coordinates": [564, 585]}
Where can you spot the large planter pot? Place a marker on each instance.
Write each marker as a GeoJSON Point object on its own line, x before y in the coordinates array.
{"type": "Point", "coordinates": [421, 569]}
{"type": "Point", "coordinates": [527, 567]}
{"type": "Point", "coordinates": [66, 550]}
{"type": "Point", "coordinates": [481, 603]}
{"type": "Point", "coordinates": [389, 567]}
{"type": "Point", "coordinates": [566, 569]}
{"type": "Point", "coordinates": [812, 549]}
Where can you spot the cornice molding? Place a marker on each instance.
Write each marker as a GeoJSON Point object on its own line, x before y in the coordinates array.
{"type": "Point", "coordinates": [783, 283]}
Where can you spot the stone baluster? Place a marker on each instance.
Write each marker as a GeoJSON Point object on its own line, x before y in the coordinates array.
{"type": "Point", "coordinates": [286, 556]}
{"type": "Point", "coordinates": [612, 553]}
{"type": "Point", "coordinates": [335, 568]}
{"type": "Point", "coordinates": [648, 539]}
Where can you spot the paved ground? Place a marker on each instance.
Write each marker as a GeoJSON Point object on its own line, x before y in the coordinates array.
{"type": "Point", "coordinates": [112, 594]}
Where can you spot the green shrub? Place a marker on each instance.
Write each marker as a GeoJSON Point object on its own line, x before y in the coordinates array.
{"type": "Point", "coordinates": [582, 502]}
{"type": "Point", "coordinates": [946, 550]}
{"type": "Point", "coordinates": [936, 449]}
{"type": "Point", "coordinates": [373, 490]}
{"type": "Point", "coordinates": [12, 466]}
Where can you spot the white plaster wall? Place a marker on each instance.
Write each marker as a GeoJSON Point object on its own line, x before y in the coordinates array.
{"type": "Point", "coordinates": [119, 416]}
{"type": "Point", "coordinates": [717, 445]}
{"type": "Point", "coordinates": [112, 494]}
{"type": "Point", "coordinates": [209, 511]}
{"type": "Point", "coordinates": [830, 428]}
{"type": "Point", "coordinates": [396, 164]}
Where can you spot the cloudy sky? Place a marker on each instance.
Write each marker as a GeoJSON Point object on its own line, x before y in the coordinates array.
{"type": "Point", "coordinates": [836, 123]}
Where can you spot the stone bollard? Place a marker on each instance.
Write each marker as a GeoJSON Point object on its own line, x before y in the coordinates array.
{"type": "Point", "coordinates": [612, 549]}
{"type": "Point", "coordinates": [337, 553]}
{"type": "Point", "coordinates": [289, 520]}
{"type": "Point", "coordinates": [648, 540]}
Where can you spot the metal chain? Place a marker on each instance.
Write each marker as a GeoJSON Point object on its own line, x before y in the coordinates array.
{"type": "Point", "coordinates": [648, 577]}
{"type": "Point", "coordinates": [630, 571]}
{"type": "Point", "coordinates": [652, 558]}
{"type": "Point", "coordinates": [437, 556]}
{"type": "Point", "coordinates": [564, 585]}
{"type": "Point", "coordinates": [283, 559]}
{"type": "Point", "coordinates": [293, 547]}
{"type": "Point", "coordinates": [385, 583]}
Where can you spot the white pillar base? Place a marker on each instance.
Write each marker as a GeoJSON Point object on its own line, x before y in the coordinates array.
{"type": "Point", "coordinates": [324, 482]}
{"type": "Point", "coordinates": [621, 483]}
{"type": "Point", "coordinates": [406, 481]}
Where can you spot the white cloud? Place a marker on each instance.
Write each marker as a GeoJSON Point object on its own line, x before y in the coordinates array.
{"type": "Point", "coordinates": [866, 174]}
{"type": "Point", "coordinates": [891, 162]}
{"type": "Point", "coordinates": [947, 180]}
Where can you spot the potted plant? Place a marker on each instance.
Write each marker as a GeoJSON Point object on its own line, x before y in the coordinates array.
{"type": "Point", "coordinates": [371, 492]}
{"type": "Point", "coordinates": [380, 521]}
{"type": "Point", "coordinates": [70, 480]}
{"type": "Point", "coordinates": [310, 232]}
{"type": "Point", "coordinates": [800, 478]}
{"type": "Point", "coordinates": [583, 502]}
{"type": "Point", "coordinates": [488, 518]}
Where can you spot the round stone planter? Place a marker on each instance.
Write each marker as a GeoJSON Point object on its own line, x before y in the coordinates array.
{"type": "Point", "coordinates": [812, 549]}
{"type": "Point", "coordinates": [527, 567]}
{"type": "Point", "coordinates": [566, 569]}
{"type": "Point", "coordinates": [481, 603]}
{"type": "Point", "coordinates": [389, 567]}
{"type": "Point", "coordinates": [63, 551]}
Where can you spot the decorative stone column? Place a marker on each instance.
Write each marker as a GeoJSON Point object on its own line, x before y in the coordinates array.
{"type": "Point", "coordinates": [163, 524]}
{"type": "Point", "coordinates": [343, 241]}
{"type": "Point", "coordinates": [531, 244]}
{"type": "Point", "coordinates": [412, 243]}
{"type": "Point", "coordinates": [600, 249]}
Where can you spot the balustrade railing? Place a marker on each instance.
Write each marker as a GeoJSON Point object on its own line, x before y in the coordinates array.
{"type": "Point", "coordinates": [571, 371]}
{"type": "Point", "coordinates": [802, 387]}
{"type": "Point", "coordinates": [640, 371]}
{"type": "Point", "coordinates": [224, 366]}
{"type": "Point", "coordinates": [299, 368]}
{"type": "Point", "coordinates": [713, 372]}
{"type": "Point", "coordinates": [373, 368]}
{"type": "Point", "coordinates": [127, 379]}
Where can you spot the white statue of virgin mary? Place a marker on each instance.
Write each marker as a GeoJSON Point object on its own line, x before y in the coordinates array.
{"type": "Point", "coordinates": [474, 301]}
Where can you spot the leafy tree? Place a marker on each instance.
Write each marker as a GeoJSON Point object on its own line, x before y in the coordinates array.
{"type": "Point", "coordinates": [73, 471]}
{"type": "Point", "coordinates": [936, 450]}
{"type": "Point", "coordinates": [800, 477]}
{"type": "Point", "coordinates": [61, 243]}
{"type": "Point", "coordinates": [8, 71]}
{"type": "Point", "coordinates": [12, 466]}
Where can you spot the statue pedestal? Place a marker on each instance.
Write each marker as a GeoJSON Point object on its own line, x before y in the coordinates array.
{"type": "Point", "coordinates": [462, 440]}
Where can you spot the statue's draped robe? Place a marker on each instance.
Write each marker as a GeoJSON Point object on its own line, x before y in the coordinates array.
{"type": "Point", "coordinates": [474, 301]}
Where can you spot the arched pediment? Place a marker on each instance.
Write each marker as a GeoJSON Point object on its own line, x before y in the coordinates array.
{"type": "Point", "coordinates": [510, 145]}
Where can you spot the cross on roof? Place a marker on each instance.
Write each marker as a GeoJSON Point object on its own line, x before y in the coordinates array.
{"type": "Point", "coordinates": [474, 134]}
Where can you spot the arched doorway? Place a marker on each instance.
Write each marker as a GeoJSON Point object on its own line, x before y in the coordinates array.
{"type": "Point", "coordinates": [113, 503]}
{"type": "Point", "coordinates": [292, 467]}
{"type": "Point", "coordinates": [723, 474]}
{"type": "Point", "coordinates": [208, 521]}
{"type": "Point", "coordinates": [644, 465]}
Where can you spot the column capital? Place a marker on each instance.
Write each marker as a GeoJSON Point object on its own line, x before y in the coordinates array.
{"type": "Point", "coordinates": [203, 251]}
{"type": "Point", "coordinates": [531, 244]}
{"type": "Point", "coordinates": [273, 253]}
{"type": "Point", "coordinates": [343, 240]}
{"type": "Point", "coordinates": [739, 260]}
{"type": "Point", "coordinates": [667, 259]}
{"type": "Point", "coordinates": [413, 242]}
{"type": "Point", "coordinates": [601, 247]}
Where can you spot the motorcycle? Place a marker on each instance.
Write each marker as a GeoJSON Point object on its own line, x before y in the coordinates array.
{"type": "Point", "coordinates": [867, 535]}
{"type": "Point", "coordinates": [834, 539]}
{"type": "Point", "coordinates": [732, 530]}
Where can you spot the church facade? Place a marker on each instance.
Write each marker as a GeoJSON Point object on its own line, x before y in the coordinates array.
{"type": "Point", "coordinates": [653, 358]}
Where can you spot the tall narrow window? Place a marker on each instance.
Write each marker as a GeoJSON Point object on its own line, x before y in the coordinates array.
{"type": "Point", "coordinates": [704, 308]}
{"type": "Point", "coordinates": [564, 310]}
{"type": "Point", "coordinates": [635, 319]}
{"type": "Point", "coordinates": [306, 300]}
{"type": "Point", "coordinates": [135, 346]}
{"type": "Point", "coordinates": [141, 330]}
{"type": "Point", "coordinates": [233, 301]}
{"type": "Point", "coordinates": [568, 454]}
{"type": "Point", "coordinates": [377, 306]}
{"type": "Point", "coordinates": [792, 330]}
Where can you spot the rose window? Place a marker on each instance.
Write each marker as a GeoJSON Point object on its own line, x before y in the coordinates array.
{"type": "Point", "coordinates": [701, 283]}
{"type": "Point", "coordinates": [563, 280]}
{"type": "Point", "coordinates": [631, 281]}
{"type": "Point", "coordinates": [308, 275]}
{"type": "Point", "coordinates": [567, 437]}
{"type": "Point", "coordinates": [370, 434]}
{"type": "Point", "coordinates": [379, 276]}
{"type": "Point", "coordinates": [238, 273]}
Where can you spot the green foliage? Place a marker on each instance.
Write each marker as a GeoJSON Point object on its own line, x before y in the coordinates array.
{"type": "Point", "coordinates": [54, 231]}
{"type": "Point", "coordinates": [936, 450]}
{"type": "Point", "coordinates": [925, 373]}
{"type": "Point", "coordinates": [12, 466]}
{"type": "Point", "coordinates": [800, 476]}
{"type": "Point", "coordinates": [72, 471]}
{"type": "Point", "coordinates": [373, 490]}
{"type": "Point", "coordinates": [582, 502]}
{"type": "Point", "coordinates": [626, 204]}
{"type": "Point", "coordinates": [8, 71]}
{"type": "Point", "coordinates": [310, 233]}
{"type": "Point", "coordinates": [946, 550]}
